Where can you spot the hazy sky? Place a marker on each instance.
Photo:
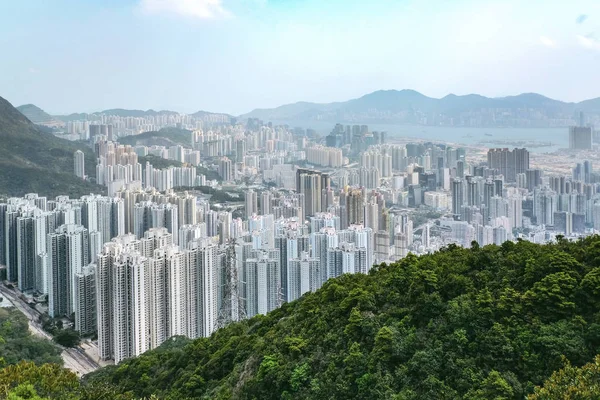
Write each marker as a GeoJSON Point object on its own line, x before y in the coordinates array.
{"type": "Point", "coordinates": [235, 55]}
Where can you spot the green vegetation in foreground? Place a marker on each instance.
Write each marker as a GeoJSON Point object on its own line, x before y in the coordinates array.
{"type": "Point", "coordinates": [35, 161]}
{"type": "Point", "coordinates": [28, 381]}
{"type": "Point", "coordinates": [163, 137]}
{"type": "Point", "coordinates": [484, 323]}
{"type": "Point", "coordinates": [481, 323]}
{"type": "Point", "coordinates": [571, 383]}
{"type": "Point", "coordinates": [18, 344]}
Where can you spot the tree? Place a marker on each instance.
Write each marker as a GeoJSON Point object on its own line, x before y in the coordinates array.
{"type": "Point", "coordinates": [18, 344]}
{"type": "Point", "coordinates": [483, 323]}
{"type": "Point", "coordinates": [47, 380]}
{"type": "Point", "coordinates": [571, 383]}
{"type": "Point", "coordinates": [67, 338]}
{"type": "Point", "coordinates": [554, 295]}
{"type": "Point", "coordinates": [493, 387]}
{"type": "Point", "coordinates": [23, 392]}
{"type": "Point", "coordinates": [590, 287]}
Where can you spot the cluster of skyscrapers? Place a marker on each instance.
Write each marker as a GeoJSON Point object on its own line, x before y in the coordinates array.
{"type": "Point", "coordinates": [142, 266]}
{"type": "Point", "coordinates": [355, 138]}
{"type": "Point", "coordinates": [118, 168]}
{"type": "Point", "coordinates": [145, 263]}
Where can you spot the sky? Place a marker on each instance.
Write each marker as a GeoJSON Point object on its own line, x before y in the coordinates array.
{"type": "Point", "coordinates": [237, 55]}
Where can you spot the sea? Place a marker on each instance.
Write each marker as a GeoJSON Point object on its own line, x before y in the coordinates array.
{"type": "Point", "coordinates": [536, 140]}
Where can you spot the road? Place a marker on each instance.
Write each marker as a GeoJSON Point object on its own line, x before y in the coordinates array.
{"type": "Point", "coordinates": [75, 358]}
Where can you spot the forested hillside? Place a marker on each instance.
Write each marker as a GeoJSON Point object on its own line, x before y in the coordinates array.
{"type": "Point", "coordinates": [484, 323]}
{"type": "Point", "coordinates": [33, 161]}
{"type": "Point", "coordinates": [480, 323]}
{"type": "Point", "coordinates": [18, 344]}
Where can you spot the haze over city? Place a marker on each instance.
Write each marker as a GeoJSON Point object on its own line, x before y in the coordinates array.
{"type": "Point", "coordinates": [299, 199]}
{"type": "Point", "coordinates": [236, 55]}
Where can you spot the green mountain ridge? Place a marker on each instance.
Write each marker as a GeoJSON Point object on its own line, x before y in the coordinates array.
{"type": "Point", "coordinates": [480, 323]}
{"type": "Point", "coordinates": [36, 161]}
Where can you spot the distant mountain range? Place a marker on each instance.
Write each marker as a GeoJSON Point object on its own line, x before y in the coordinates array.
{"type": "Point", "coordinates": [114, 111]}
{"type": "Point", "coordinates": [32, 160]}
{"type": "Point", "coordinates": [139, 113]}
{"type": "Point", "coordinates": [409, 106]}
{"type": "Point", "coordinates": [392, 106]}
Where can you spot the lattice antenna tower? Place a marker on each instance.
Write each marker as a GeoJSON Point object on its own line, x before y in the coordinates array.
{"type": "Point", "coordinates": [233, 305]}
{"type": "Point", "coordinates": [279, 295]}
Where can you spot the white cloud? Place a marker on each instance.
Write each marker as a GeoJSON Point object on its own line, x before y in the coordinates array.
{"type": "Point", "coordinates": [581, 19]}
{"type": "Point", "coordinates": [203, 9]}
{"type": "Point", "coordinates": [546, 41]}
{"type": "Point", "coordinates": [589, 42]}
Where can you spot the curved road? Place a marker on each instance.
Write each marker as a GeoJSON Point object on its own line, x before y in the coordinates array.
{"type": "Point", "coordinates": [75, 358]}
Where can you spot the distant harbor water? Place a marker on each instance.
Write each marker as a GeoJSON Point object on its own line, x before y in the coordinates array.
{"type": "Point", "coordinates": [536, 140]}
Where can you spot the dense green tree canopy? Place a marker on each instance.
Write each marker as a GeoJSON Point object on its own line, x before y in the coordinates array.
{"type": "Point", "coordinates": [17, 343]}
{"type": "Point", "coordinates": [484, 323]}
{"type": "Point", "coordinates": [28, 381]}
{"type": "Point", "coordinates": [571, 383]}
{"type": "Point", "coordinates": [498, 322]}
{"type": "Point", "coordinates": [67, 337]}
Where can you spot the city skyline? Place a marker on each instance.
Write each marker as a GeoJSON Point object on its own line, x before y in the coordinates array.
{"type": "Point", "coordinates": [229, 220]}
{"type": "Point", "coordinates": [299, 199]}
{"type": "Point", "coordinates": [234, 56]}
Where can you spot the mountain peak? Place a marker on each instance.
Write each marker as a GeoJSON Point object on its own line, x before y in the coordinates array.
{"type": "Point", "coordinates": [28, 105]}
{"type": "Point", "coordinates": [37, 115]}
{"type": "Point", "coordinates": [393, 93]}
{"type": "Point", "coordinates": [531, 95]}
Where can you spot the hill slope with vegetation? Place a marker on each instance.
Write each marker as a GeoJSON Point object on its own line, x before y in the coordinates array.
{"type": "Point", "coordinates": [158, 162]}
{"type": "Point", "coordinates": [37, 115]}
{"type": "Point", "coordinates": [515, 321]}
{"type": "Point", "coordinates": [481, 323]}
{"type": "Point", "coordinates": [36, 161]}
{"type": "Point", "coordinates": [164, 137]}
{"type": "Point", "coordinates": [18, 344]}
